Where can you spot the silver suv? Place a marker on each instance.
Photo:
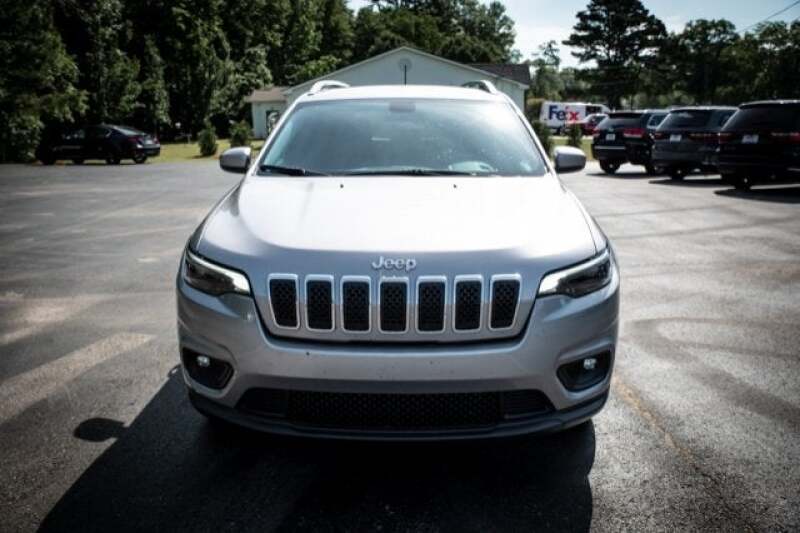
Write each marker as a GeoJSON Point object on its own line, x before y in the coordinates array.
{"type": "Point", "coordinates": [399, 262]}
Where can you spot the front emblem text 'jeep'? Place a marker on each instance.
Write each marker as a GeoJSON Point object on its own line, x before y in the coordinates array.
{"type": "Point", "coordinates": [395, 264]}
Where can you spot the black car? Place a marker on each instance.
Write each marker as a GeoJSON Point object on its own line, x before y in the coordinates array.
{"type": "Point", "coordinates": [106, 142]}
{"type": "Point", "coordinates": [761, 144]}
{"type": "Point", "coordinates": [688, 139]}
{"type": "Point", "coordinates": [626, 137]}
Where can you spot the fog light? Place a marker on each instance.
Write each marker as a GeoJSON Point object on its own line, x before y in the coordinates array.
{"type": "Point", "coordinates": [586, 372]}
{"type": "Point", "coordinates": [206, 370]}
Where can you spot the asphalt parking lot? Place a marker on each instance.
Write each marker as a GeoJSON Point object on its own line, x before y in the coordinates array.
{"type": "Point", "coordinates": [702, 430]}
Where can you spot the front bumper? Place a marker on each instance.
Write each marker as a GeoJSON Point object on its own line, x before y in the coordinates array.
{"type": "Point", "coordinates": [559, 330]}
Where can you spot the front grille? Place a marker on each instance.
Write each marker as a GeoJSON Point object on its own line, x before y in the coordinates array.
{"type": "Point", "coordinates": [394, 411]}
{"type": "Point", "coordinates": [394, 306]}
{"type": "Point", "coordinates": [403, 309]}
{"type": "Point", "coordinates": [319, 304]}
{"type": "Point", "coordinates": [283, 299]}
{"type": "Point", "coordinates": [468, 305]}
{"type": "Point", "coordinates": [505, 297]}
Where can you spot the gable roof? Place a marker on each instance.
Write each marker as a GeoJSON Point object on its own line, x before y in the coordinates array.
{"type": "Point", "coordinates": [268, 94]}
{"type": "Point", "coordinates": [519, 72]}
{"type": "Point", "coordinates": [478, 71]}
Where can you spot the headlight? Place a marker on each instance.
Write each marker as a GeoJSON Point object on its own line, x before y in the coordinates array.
{"type": "Point", "coordinates": [581, 279]}
{"type": "Point", "coordinates": [212, 279]}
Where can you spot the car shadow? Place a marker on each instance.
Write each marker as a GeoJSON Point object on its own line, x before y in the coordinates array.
{"type": "Point", "coordinates": [170, 469]}
{"type": "Point", "coordinates": [782, 195]}
{"type": "Point", "coordinates": [691, 181]}
{"type": "Point", "coordinates": [620, 175]}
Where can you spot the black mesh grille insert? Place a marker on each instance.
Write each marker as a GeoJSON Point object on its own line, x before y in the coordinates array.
{"type": "Point", "coordinates": [393, 411]}
{"type": "Point", "coordinates": [355, 305]}
{"type": "Point", "coordinates": [468, 305]}
{"type": "Point", "coordinates": [393, 306]}
{"type": "Point", "coordinates": [430, 307]}
{"type": "Point", "coordinates": [283, 298]}
{"type": "Point", "coordinates": [505, 294]}
{"type": "Point", "coordinates": [319, 301]}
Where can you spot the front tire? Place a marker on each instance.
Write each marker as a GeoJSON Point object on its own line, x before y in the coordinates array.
{"type": "Point", "coordinates": [609, 167]}
{"type": "Point", "coordinates": [77, 161]}
{"type": "Point", "coordinates": [139, 158]}
{"type": "Point", "coordinates": [653, 170]}
{"type": "Point", "coordinates": [742, 183]}
{"type": "Point", "coordinates": [48, 160]}
{"type": "Point", "coordinates": [677, 173]}
{"type": "Point", "coordinates": [113, 159]}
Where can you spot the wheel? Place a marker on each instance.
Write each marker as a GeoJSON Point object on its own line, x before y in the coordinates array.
{"type": "Point", "coordinates": [653, 170]}
{"type": "Point", "coordinates": [112, 159]}
{"type": "Point", "coordinates": [742, 183]}
{"type": "Point", "coordinates": [78, 161]}
{"type": "Point", "coordinates": [139, 158]}
{"type": "Point", "coordinates": [677, 173]}
{"type": "Point", "coordinates": [48, 160]}
{"type": "Point", "coordinates": [609, 167]}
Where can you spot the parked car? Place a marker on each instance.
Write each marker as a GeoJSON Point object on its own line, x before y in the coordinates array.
{"type": "Point", "coordinates": [297, 317]}
{"type": "Point", "coordinates": [589, 124]}
{"type": "Point", "coordinates": [557, 115]}
{"type": "Point", "coordinates": [761, 144]}
{"type": "Point", "coordinates": [688, 139]}
{"type": "Point", "coordinates": [626, 137]}
{"type": "Point", "coordinates": [106, 142]}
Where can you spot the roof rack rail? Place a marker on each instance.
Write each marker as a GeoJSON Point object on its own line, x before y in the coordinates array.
{"type": "Point", "coordinates": [324, 85]}
{"type": "Point", "coordinates": [481, 85]}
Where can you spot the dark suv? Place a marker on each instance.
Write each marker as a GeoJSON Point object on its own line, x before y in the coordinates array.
{"type": "Point", "coordinates": [626, 136]}
{"type": "Point", "coordinates": [688, 139]}
{"type": "Point", "coordinates": [109, 143]}
{"type": "Point", "coordinates": [761, 144]}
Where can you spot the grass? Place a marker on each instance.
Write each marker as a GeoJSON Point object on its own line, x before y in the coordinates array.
{"type": "Point", "coordinates": [176, 152]}
{"type": "Point", "coordinates": [586, 145]}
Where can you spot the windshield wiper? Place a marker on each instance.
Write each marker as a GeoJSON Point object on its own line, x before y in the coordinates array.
{"type": "Point", "coordinates": [410, 172]}
{"type": "Point", "coordinates": [290, 171]}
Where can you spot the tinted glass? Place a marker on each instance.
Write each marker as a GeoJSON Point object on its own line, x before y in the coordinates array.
{"type": "Point", "coordinates": [723, 118]}
{"type": "Point", "coordinates": [620, 119]}
{"type": "Point", "coordinates": [776, 118]}
{"type": "Point", "coordinates": [96, 132]}
{"type": "Point", "coordinates": [655, 120]}
{"type": "Point", "coordinates": [128, 131]}
{"type": "Point", "coordinates": [686, 119]}
{"type": "Point", "coordinates": [385, 135]}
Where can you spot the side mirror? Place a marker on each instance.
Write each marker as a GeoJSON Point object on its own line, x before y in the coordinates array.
{"type": "Point", "coordinates": [569, 159]}
{"type": "Point", "coordinates": [235, 159]}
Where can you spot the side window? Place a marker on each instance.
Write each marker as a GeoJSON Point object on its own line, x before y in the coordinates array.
{"type": "Point", "coordinates": [77, 135]}
{"type": "Point", "coordinates": [97, 132]}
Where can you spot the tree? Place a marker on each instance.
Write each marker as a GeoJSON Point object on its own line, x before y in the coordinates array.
{"type": "Point", "coordinates": [37, 77]}
{"type": "Point", "coordinates": [699, 59]}
{"type": "Point", "coordinates": [546, 82]}
{"type": "Point", "coordinates": [621, 37]}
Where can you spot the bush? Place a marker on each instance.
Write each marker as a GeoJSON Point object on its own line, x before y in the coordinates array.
{"type": "Point", "coordinates": [240, 134]}
{"type": "Point", "coordinates": [207, 139]}
{"type": "Point", "coordinates": [574, 135]}
{"type": "Point", "coordinates": [543, 132]}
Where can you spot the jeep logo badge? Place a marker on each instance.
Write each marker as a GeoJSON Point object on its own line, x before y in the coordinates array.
{"type": "Point", "coordinates": [395, 264]}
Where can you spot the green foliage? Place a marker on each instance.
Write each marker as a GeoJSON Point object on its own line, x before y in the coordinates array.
{"type": "Point", "coordinates": [240, 134]}
{"type": "Point", "coordinates": [37, 77]}
{"type": "Point", "coordinates": [622, 37]}
{"type": "Point", "coordinates": [574, 135]}
{"type": "Point", "coordinates": [207, 140]}
{"type": "Point", "coordinates": [543, 133]}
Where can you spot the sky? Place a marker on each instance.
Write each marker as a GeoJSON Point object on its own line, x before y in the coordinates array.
{"type": "Point", "coordinates": [538, 21]}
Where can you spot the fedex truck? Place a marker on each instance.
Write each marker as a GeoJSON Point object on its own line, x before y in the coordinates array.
{"type": "Point", "coordinates": [558, 114]}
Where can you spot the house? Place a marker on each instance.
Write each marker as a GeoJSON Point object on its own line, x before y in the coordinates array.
{"type": "Point", "coordinates": [403, 65]}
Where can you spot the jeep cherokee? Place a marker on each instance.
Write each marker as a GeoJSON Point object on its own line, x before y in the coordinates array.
{"type": "Point", "coordinates": [399, 262]}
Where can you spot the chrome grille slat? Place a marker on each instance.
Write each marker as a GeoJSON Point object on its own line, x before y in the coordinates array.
{"type": "Point", "coordinates": [504, 301]}
{"type": "Point", "coordinates": [468, 303]}
{"type": "Point", "coordinates": [283, 300]}
{"type": "Point", "coordinates": [393, 305]}
{"type": "Point", "coordinates": [319, 303]}
{"type": "Point", "coordinates": [356, 312]}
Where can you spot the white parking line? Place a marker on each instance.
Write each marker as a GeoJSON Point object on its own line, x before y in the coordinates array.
{"type": "Point", "coordinates": [24, 390]}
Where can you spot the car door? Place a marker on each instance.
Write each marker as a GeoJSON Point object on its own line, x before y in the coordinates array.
{"type": "Point", "coordinates": [96, 140]}
{"type": "Point", "coordinates": [70, 145]}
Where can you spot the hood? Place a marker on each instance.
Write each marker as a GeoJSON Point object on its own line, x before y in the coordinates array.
{"type": "Point", "coordinates": [527, 217]}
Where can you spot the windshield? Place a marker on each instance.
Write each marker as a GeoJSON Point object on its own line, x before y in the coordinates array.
{"type": "Point", "coordinates": [620, 120]}
{"type": "Point", "coordinates": [412, 136]}
{"type": "Point", "coordinates": [775, 117]}
{"type": "Point", "coordinates": [686, 119]}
